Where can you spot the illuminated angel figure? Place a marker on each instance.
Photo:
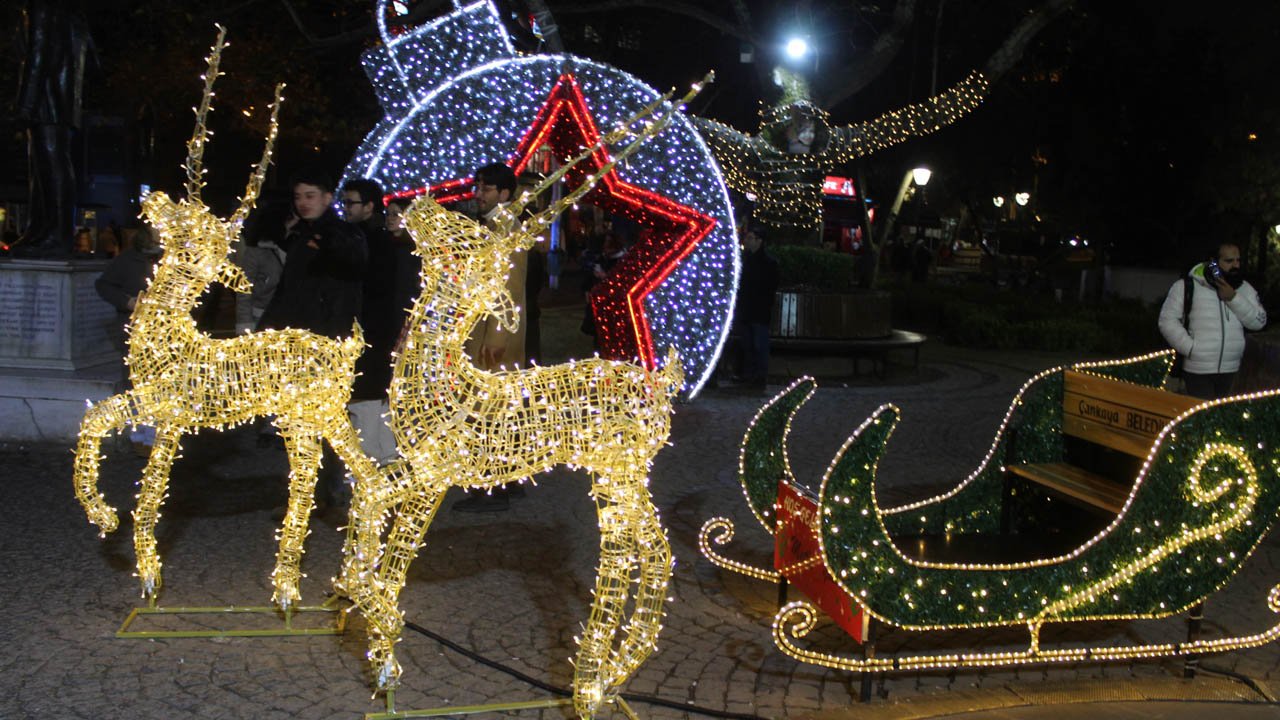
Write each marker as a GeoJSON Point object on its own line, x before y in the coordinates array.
{"type": "Point", "coordinates": [784, 164]}
{"type": "Point", "coordinates": [184, 380]}
{"type": "Point", "coordinates": [458, 425]}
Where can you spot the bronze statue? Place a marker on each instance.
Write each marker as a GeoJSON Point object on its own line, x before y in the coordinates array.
{"type": "Point", "coordinates": [49, 107]}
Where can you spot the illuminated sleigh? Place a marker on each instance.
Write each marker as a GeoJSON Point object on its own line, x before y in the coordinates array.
{"type": "Point", "coordinates": [1203, 498]}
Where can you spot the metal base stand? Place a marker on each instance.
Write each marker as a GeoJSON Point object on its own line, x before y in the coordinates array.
{"type": "Point", "coordinates": [329, 606]}
{"type": "Point", "coordinates": [392, 713]}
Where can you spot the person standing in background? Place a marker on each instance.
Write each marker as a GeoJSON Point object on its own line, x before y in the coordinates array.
{"type": "Point", "coordinates": [120, 284]}
{"type": "Point", "coordinates": [320, 290]}
{"type": "Point", "coordinates": [754, 310]}
{"type": "Point", "coordinates": [362, 205]}
{"type": "Point", "coordinates": [1209, 332]}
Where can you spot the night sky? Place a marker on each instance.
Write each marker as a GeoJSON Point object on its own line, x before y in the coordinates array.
{"type": "Point", "coordinates": [1150, 127]}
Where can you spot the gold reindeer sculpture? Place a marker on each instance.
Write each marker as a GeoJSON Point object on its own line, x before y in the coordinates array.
{"type": "Point", "coordinates": [457, 425]}
{"type": "Point", "coordinates": [184, 380]}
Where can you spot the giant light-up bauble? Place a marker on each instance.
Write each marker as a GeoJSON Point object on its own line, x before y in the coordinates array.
{"type": "Point", "coordinates": [456, 95]}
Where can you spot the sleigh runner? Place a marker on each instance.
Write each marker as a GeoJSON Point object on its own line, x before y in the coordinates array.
{"type": "Point", "coordinates": [1202, 497]}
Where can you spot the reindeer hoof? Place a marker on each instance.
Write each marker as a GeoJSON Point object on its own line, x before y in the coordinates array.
{"type": "Point", "coordinates": [389, 674]}
{"type": "Point", "coordinates": [286, 596]}
{"type": "Point", "coordinates": [588, 699]}
{"type": "Point", "coordinates": [150, 587]}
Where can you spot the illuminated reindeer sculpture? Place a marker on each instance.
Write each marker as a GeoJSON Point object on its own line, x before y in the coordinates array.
{"type": "Point", "coordinates": [459, 426]}
{"type": "Point", "coordinates": [184, 380]}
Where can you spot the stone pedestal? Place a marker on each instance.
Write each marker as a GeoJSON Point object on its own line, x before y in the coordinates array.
{"type": "Point", "coordinates": [56, 348]}
{"type": "Point", "coordinates": [46, 406]}
{"type": "Point", "coordinates": [51, 318]}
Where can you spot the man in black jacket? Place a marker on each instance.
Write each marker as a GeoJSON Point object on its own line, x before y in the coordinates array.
{"type": "Point", "coordinates": [322, 284]}
{"type": "Point", "coordinates": [756, 288]}
{"type": "Point", "coordinates": [380, 317]}
{"type": "Point", "coordinates": [320, 289]}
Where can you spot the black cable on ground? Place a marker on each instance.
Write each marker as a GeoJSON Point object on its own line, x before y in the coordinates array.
{"type": "Point", "coordinates": [1240, 677]}
{"type": "Point", "coordinates": [562, 692]}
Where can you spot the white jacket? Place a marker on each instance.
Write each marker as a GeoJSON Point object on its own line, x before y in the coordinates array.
{"type": "Point", "coordinates": [1214, 340]}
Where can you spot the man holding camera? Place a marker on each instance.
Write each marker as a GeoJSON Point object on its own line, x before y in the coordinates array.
{"type": "Point", "coordinates": [1204, 318]}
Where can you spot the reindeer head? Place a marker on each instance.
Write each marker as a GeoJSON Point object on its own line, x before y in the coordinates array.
{"type": "Point", "coordinates": [197, 243]}
{"type": "Point", "coordinates": [458, 250]}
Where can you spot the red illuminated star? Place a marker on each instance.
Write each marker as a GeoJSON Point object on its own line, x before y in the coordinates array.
{"type": "Point", "coordinates": [671, 230]}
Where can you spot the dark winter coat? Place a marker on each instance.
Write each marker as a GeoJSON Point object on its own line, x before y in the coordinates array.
{"type": "Point", "coordinates": [321, 288]}
{"type": "Point", "coordinates": [756, 288]}
{"type": "Point", "coordinates": [124, 278]}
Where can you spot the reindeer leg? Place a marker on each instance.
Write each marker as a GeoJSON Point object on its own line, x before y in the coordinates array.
{"type": "Point", "coordinates": [591, 686]}
{"type": "Point", "coordinates": [653, 554]}
{"type": "Point", "coordinates": [304, 459]}
{"type": "Point", "coordinates": [104, 417]}
{"type": "Point", "coordinates": [155, 483]}
{"type": "Point", "coordinates": [378, 597]}
{"type": "Point", "coordinates": [372, 504]}
{"type": "Point", "coordinates": [366, 518]}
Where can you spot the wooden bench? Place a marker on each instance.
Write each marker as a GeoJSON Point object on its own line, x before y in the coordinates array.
{"type": "Point", "coordinates": [1117, 416]}
{"type": "Point", "coordinates": [876, 349]}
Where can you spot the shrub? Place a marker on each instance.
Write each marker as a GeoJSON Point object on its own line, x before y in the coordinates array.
{"type": "Point", "coordinates": [983, 316]}
{"type": "Point", "coordinates": [814, 269]}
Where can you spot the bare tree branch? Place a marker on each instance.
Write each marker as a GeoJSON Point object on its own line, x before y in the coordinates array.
{"type": "Point", "coordinates": [421, 12]}
{"type": "Point", "coordinates": [695, 11]}
{"type": "Point", "coordinates": [882, 53]}
{"type": "Point", "coordinates": [1016, 44]}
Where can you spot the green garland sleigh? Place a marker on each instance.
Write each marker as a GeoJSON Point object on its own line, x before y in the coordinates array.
{"type": "Point", "coordinates": [1204, 499]}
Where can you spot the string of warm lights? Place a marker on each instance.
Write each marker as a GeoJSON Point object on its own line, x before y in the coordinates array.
{"type": "Point", "coordinates": [456, 424]}
{"type": "Point", "coordinates": [719, 531]}
{"type": "Point", "coordinates": [973, 505]}
{"type": "Point", "coordinates": [183, 379]}
{"type": "Point", "coordinates": [799, 618]}
{"type": "Point", "coordinates": [457, 96]}
{"type": "Point", "coordinates": [760, 468]}
{"type": "Point", "coordinates": [787, 186]}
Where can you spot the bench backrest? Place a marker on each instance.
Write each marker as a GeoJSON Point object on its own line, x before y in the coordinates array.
{"type": "Point", "coordinates": [1119, 415]}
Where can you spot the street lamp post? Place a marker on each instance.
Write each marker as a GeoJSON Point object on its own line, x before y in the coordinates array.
{"type": "Point", "coordinates": [920, 176]}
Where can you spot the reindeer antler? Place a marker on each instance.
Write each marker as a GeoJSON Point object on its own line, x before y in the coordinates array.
{"type": "Point", "coordinates": [195, 146]}
{"type": "Point", "coordinates": [543, 220]}
{"type": "Point", "coordinates": [259, 176]}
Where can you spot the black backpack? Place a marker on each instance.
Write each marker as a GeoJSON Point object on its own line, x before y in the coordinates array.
{"type": "Point", "coordinates": [1188, 289]}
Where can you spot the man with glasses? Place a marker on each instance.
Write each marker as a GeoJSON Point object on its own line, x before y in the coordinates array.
{"type": "Point", "coordinates": [379, 316]}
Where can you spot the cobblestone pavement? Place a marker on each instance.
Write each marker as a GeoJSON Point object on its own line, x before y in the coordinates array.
{"type": "Point", "coordinates": [514, 587]}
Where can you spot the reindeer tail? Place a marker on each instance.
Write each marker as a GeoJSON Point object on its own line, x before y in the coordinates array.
{"type": "Point", "coordinates": [672, 372]}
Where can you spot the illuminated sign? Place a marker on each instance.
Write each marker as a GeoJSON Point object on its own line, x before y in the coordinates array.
{"type": "Point", "coordinates": [839, 187]}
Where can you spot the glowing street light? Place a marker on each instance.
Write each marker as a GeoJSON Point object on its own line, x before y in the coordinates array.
{"type": "Point", "coordinates": [797, 48]}
{"type": "Point", "coordinates": [998, 201]}
{"type": "Point", "coordinates": [921, 176]}
{"type": "Point", "coordinates": [1022, 198]}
